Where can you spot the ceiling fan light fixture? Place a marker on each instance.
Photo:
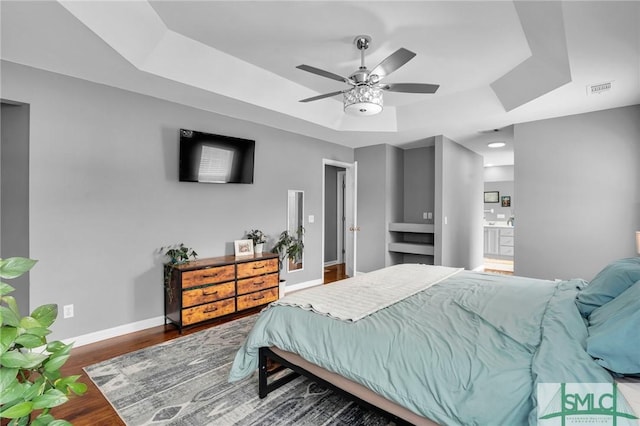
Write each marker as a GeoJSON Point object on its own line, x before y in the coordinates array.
{"type": "Point", "coordinates": [363, 100]}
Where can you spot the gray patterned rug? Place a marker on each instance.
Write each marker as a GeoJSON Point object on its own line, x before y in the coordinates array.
{"type": "Point", "coordinates": [184, 382]}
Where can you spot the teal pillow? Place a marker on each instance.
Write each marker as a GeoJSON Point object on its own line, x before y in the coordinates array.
{"type": "Point", "coordinates": [614, 333]}
{"type": "Point", "coordinates": [609, 283]}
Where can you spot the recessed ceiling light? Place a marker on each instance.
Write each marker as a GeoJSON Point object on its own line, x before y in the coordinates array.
{"type": "Point", "coordinates": [496, 144]}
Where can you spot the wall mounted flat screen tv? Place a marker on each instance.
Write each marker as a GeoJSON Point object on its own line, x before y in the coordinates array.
{"type": "Point", "coordinates": [210, 158]}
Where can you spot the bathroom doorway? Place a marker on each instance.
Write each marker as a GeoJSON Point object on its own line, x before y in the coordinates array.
{"type": "Point", "coordinates": [499, 221]}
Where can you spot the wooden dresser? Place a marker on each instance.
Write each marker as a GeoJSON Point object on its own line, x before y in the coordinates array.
{"type": "Point", "coordinates": [215, 287]}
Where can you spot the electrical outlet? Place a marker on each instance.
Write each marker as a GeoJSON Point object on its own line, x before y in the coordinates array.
{"type": "Point", "coordinates": [430, 215]}
{"type": "Point", "coordinates": [67, 311]}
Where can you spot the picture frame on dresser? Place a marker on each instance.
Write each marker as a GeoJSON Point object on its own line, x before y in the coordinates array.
{"type": "Point", "coordinates": [243, 247]}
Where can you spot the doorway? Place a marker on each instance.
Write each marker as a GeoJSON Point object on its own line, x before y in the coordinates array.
{"type": "Point", "coordinates": [14, 191]}
{"type": "Point", "coordinates": [499, 222]}
{"type": "Point", "coordinates": [339, 219]}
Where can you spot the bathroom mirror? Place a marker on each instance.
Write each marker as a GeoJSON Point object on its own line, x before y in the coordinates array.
{"type": "Point", "coordinates": [295, 226]}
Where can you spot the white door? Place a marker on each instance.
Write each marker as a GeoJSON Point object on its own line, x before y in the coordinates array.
{"type": "Point", "coordinates": [351, 213]}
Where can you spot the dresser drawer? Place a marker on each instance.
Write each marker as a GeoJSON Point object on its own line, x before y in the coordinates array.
{"type": "Point", "coordinates": [208, 311]}
{"type": "Point", "coordinates": [217, 274]}
{"type": "Point", "coordinates": [259, 267]}
{"type": "Point", "coordinates": [248, 285]}
{"type": "Point", "coordinates": [258, 298]}
{"type": "Point", "coordinates": [211, 293]}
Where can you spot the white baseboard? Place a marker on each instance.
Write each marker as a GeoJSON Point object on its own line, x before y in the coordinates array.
{"type": "Point", "coordinates": [302, 286]}
{"type": "Point", "coordinates": [97, 336]}
{"type": "Point", "coordinates": [120, 330]}
{"type": "Point", "coordinates": [330, 263]}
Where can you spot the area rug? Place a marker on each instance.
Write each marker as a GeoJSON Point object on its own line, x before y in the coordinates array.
{"type": "Point", "coordinates": [184, 382]}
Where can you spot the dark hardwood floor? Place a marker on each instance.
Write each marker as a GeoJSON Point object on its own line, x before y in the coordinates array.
{"type": "Point", "coordinates": [92, 409]}
{"type": "Point", "coordinates": [334, 273]}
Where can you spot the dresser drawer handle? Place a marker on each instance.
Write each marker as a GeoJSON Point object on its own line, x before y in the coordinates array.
{"type": "Point", "coordinates": [258, 298]}
{"type": "Point", "coordinates": [208, 311]}
{"type": "Point", "coordinates": [210, 276]}
{"type": "Point", "coordinates": [258, 283]}
{"type": "Point", "coordinates": [260, 267]}
{"type": "Point", "coordinates": [204, 293]}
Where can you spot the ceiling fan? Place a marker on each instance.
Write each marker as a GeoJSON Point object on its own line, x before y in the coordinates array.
{"type": "Point", "coordinates": [364, 97]}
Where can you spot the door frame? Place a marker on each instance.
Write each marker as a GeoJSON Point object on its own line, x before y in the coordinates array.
{"type": "Point", "coordinates": [341, 219]}
{"type": "Point", "coordinates": [351, 205]}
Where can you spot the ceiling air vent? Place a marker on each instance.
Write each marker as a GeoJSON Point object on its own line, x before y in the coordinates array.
{"type": "Point", "coordinates": [596, 89]}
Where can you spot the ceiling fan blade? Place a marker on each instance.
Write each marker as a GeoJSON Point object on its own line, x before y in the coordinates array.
{"type": "Point", "coordinates": [392, 63]}
{"type": "Point", "coordinates": [326, 95]}
{"type": "Point", "coordinates": [410, 87]}
{"type": "Point", "coordinates": [323, 73]}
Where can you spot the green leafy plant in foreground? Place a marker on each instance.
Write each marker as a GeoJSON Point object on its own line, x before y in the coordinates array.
{"type": "Point", "coordinates": [30, 379]}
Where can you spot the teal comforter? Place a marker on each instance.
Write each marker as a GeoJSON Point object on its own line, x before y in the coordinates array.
{"type": "Point", "coordinates": [469, 350]}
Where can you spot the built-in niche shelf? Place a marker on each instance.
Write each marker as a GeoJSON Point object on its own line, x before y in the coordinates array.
{"type": "Point", "coordinates": [412, 238]}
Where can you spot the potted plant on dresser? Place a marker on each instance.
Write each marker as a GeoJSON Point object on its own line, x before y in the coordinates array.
{"type": "Point", "coordinates": [259, 238]}
{"type": "Point", "coordinates": [177, 254]}
{"type": "Point", "coordinates": [31, 383]}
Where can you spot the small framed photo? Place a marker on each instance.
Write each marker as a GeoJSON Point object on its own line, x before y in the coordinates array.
{"type": "Point", "coordinates": [243, 247]}
{"type": "Point", "coordinates": [506, 201]}
{"type": "Point", "coordinates": [492, 197]}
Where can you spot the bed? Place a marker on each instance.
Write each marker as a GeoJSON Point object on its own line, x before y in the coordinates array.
{"type": "Point", "coordinates": [443, 351]}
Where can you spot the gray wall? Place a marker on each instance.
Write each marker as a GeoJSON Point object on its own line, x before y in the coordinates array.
{"type": "Point", "coordinates": [578, 185]}
{"type": "Point", "coordinates": [498, 173]}
{"type": "Point", "coordinates": [395, 195]}
{"type": "Point", "coordinates": [419, 189]}
{"type": "Point", "coordinates": [458, 202]}
{"type": "Point", "coordinates": [104, 195]}
{"type": "Point", "coordinates": [447, 179]}
{"type": "Point", "coordinates": [14, 193]}
{"type": "Point", "coordinates": [419, 184]}
{"type": "Point", "coordinates": [504, 188]}
{"type": "Point", "coordinates": [372, 206]}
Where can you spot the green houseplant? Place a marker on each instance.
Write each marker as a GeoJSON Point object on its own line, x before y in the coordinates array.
{"type": "Point", "coordinates": [178, 254]}
{"type": "Point", "coordinates": [30, 379]}
{"type": "Point", "coordinates": [290, 247]}
{"type": "Point", "coordinates": [258, 237]}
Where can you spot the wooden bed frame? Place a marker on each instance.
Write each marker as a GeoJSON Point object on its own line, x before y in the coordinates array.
{"type": "Point", "coordinates": [274, 362]}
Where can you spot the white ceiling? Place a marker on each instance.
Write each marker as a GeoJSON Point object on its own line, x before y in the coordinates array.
{"type": "Point", "coordinates": [497, 62]}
